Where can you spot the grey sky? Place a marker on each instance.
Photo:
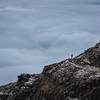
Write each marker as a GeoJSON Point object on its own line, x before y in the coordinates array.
{"type": "Point", "coordinates": [38, 32]}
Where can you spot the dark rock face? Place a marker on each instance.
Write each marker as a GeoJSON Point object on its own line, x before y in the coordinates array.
{"type": "Point", "coordinates": [72, 79]}
{"type": "Point", "coordinates": [90, 56]}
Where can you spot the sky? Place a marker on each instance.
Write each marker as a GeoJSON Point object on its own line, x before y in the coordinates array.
{"type": "Point", "coordinates": [34, 33]}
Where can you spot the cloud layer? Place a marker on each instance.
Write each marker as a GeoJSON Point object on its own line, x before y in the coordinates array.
{"type": "Point", "coordinates": [34, 33]}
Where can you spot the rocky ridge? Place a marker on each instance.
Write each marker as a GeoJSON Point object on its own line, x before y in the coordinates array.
{"type": "Point", "coordinates": [72, 79]}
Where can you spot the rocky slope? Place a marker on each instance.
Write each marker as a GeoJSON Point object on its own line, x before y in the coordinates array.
{"type": "Point", "coordinates": [71, 79]}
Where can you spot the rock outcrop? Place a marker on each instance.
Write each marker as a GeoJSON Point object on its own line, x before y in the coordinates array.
{"type": "Point", "coordinates": [71, 79]}
{"type": "Point", "coordinates": [90, 57]}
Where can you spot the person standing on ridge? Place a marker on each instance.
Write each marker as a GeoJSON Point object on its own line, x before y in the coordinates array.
{"type": "Point", "coordinates": [71, 56]}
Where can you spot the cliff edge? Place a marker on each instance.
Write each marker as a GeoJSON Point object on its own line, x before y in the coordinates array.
{"type": "Point", "coordinates": [72, 79]}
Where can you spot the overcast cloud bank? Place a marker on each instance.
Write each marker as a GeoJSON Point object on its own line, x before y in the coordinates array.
{"type": "Point", "coordinates": [34, 33]}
